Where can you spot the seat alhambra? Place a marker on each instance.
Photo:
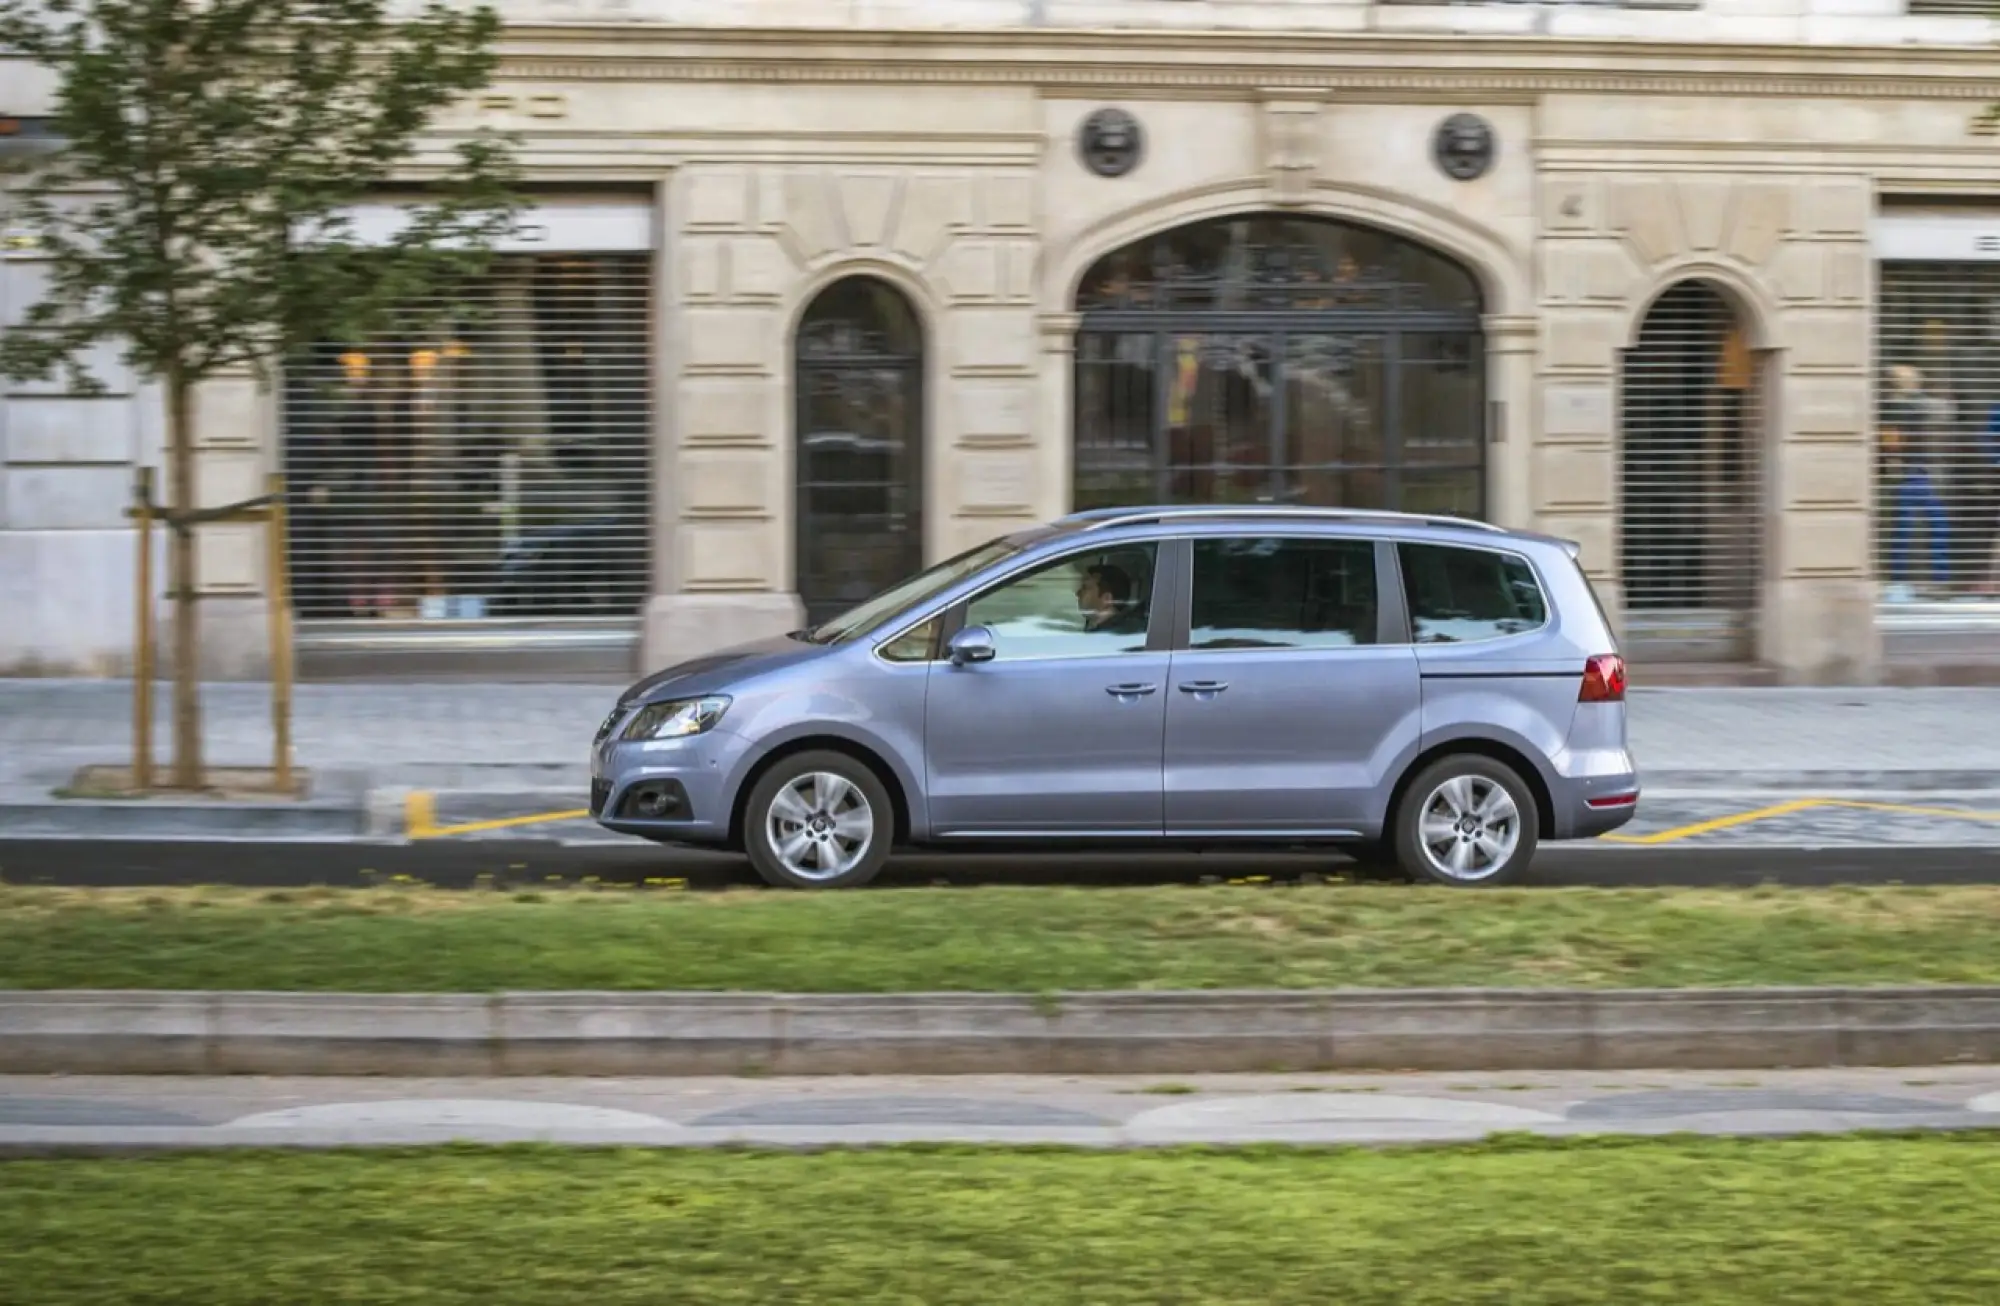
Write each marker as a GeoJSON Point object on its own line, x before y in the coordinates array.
{"type": "Point", "coordinates": [1431, 694]}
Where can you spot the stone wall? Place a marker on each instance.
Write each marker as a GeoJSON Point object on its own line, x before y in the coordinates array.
{"type": "Point", "coordinates": [950, 214]}
{"type": "Point", "coordinates": [952, 172]}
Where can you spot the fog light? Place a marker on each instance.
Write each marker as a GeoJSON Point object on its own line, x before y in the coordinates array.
{"type": "Point", "coordinates": [655, 800]}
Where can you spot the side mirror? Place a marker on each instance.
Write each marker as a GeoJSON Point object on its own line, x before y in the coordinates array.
{"type": "Point", "coordinates": [971, 644]}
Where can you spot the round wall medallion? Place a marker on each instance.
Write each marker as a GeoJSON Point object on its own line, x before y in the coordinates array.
{"type": "Point", "coordinates": [1464, 146]}
{"type": "Point", "coordinates": [1110, 142]}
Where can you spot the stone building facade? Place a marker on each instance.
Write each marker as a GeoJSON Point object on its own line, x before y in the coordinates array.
{"type": "Point", "coordinates": [850, 288]}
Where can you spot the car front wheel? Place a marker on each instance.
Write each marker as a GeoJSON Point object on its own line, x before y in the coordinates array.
{"type": "Point", "coordinates": [818, 821]}
{"type": "Point", "coordinates": [1467, 821]}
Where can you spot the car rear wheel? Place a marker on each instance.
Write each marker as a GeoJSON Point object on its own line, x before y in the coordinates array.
{"type": "Point", "coordinates": [818, 821]}
{"type": "Point", "coordinates": [1467, 821]}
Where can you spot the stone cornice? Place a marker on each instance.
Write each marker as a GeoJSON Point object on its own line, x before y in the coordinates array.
{"type": "Point", "coordinates": [1245, 64]}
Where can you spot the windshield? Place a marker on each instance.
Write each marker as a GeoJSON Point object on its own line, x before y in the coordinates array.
{"type": "Point", "coordinates": [863, 618]}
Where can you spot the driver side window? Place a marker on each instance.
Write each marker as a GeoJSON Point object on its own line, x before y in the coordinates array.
{"type": "Point", "coordinates": [1082, 605]}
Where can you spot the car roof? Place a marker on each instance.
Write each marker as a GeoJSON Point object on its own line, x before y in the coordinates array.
{"type": "Point", "coordinates": [1096, 519]}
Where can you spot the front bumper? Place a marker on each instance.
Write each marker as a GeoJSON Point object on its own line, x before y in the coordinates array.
{"type": "Point", "coordinates": [669, 789]}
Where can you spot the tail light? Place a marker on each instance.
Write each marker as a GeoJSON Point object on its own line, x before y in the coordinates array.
{"type": "Point", "coordinates": [1603, 679]}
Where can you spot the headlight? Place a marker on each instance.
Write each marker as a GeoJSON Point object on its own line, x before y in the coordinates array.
{"type": "Point", "coordinates": [678, 719]}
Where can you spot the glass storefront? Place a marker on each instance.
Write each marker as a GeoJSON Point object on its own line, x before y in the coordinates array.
{"type": "Point", "coordinates": [498, 466]}
{"type": "Point", "coordinates": [1280, 359]}
{"type": "Point", "coordinates": [1937, 446]}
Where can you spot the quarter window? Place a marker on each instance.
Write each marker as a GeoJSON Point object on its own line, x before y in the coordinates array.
{"type": "Point", "coordinates": [1079, 606]}
{"type": "Point", "coordinates": [918, 644]}
{"type": "Point", "coordinates": [1272, 592]}
{"type": "Point", "coordinates": [1460, 595]}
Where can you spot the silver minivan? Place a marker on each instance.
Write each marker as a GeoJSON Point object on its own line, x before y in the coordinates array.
{"type": "Point", "coordinates": [1426, 693]}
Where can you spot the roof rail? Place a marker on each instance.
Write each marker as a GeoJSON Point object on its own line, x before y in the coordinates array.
{"type": "Point", "coordinates": [1102, 518]}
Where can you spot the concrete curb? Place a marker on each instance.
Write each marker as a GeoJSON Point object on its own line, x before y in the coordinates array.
{"type": "Point", "coordinates": [337, 807]}
{"type": "Point", "coordinates": [211, 1033]}
{"type": "Point", "coordinates": [78, 819]}
{"type": "Point", "coordinates": [31, 1142]}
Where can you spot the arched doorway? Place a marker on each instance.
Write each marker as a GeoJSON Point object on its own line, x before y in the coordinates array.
{"type": "Point", "coordinates": [859, 428]}
{"type": "Point", "coordinates": [1691, 504]}
{"type": "Point", "coordinates": [1284, 359]}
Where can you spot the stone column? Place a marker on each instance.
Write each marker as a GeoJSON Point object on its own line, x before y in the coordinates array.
{"type": "Point", "coordinates": [1510, 417]}
{"type": "Point", "coordinates": [665, 433]}
{"type": "Point", "coordinates": [1817, 620]}
{"type": "Point", "coordinates": [1572, 479]}
{"type": "Point", "coordinates": [722, 512]}
{"type": "Point", "coordinates": [1058, 411]}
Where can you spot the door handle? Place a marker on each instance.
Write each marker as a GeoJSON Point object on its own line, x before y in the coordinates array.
{"type": "Point", "coordinates": [1203, 686]}
{"type": "Point", "coordinates": [1129, 691]}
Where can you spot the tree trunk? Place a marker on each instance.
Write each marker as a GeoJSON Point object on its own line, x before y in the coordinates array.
{"type": "Point", "coordinates": [181, 583]}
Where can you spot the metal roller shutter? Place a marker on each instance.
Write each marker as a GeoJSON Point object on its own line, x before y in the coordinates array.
{"type": "Point", "coordinates": [1937, 449]}
{"type": "Point", "coordinates": [496, 469]}
{"type": "Point", "coordinates": [1691, 505]}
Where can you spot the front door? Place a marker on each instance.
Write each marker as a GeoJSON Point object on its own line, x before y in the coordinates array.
{"type": "Point", "coordinates": [1286, 712]}
{"type": "Point", "coordinates": [1061, 733]}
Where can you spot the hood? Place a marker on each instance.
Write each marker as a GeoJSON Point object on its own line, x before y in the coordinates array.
{"type": "Point", "coordinates": [714, 671]}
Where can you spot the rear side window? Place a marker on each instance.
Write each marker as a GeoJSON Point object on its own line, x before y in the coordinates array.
{"type": "Point", "coordinates": [1272, 592]}
{"type": "Point", "coordinates": [1459, 595]}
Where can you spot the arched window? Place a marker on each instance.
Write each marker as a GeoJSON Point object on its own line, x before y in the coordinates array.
{"type": "Point", "coordinates": [1284, 359]}
{"type": "Point", "coordinates": [859, 362]}
{"type": "Point", "coordinates": [1690, 477]}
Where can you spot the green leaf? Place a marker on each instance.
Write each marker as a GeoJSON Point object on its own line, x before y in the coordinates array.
{"type": "Point", "coordinates": [203, 138]}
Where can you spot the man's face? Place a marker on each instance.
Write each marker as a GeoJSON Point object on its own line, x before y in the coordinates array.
{"type": "Point", "coordinates": [1089, 598]}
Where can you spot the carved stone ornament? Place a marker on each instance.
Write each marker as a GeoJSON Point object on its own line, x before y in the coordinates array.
{"type": "Point", "coordinates": [1464, 146]}
{"type": "Point", "coordinates": [1110, 142]}
{"type": "Point", "coordinates": [1291, 135]}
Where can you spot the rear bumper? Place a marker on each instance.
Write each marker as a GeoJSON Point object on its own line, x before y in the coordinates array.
{"type": "Point", "coordinates": [1602, 816]}
{"type": "Point", "coordinates": [1588, 806]}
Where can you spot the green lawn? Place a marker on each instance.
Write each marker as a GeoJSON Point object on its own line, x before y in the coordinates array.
{"type": "Point", "coordinates": [996, 939]}
{"type": "Point", "coordinates": [1866, 1221]}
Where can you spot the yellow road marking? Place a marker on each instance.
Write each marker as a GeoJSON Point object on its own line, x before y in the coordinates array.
{"type": "Point", "coordinates": [1908, 810]}
{"type": "Point", "coordinates": [420, 813]}
{"type": "Point", "coordinates": [1788, 808]}
{"type": "Point", "coordinates": [1719, 823]}
{"type": "Point", "coordinates": [503, 823]}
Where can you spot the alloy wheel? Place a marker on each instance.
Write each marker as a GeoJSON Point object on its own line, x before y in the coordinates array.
{"type": "Point", "coordinates": [820, 826]}
{"type": "Point", "coordinates": [1469, 828]}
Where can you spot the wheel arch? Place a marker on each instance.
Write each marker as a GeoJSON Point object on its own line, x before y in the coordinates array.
{"type": "Point", "coordinates": [892, 783]}
{"type": "Point", "coordinates": [1513, 758]}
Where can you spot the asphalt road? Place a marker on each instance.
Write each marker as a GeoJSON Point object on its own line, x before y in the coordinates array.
{"type": "Point", "coordinates": [465, 863]}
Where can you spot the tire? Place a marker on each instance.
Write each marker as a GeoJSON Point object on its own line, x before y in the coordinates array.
{"type": "Point", "coordinates": [794, 823]}
{"type": "Point", "coordinates": [1481, 789]}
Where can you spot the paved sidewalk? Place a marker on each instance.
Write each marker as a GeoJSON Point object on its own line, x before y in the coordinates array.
{"type": "Point", "coordinates": [368, 742]}
{"type": "Point", "coordinates": [408, 733]}
{"type": "Point", "coordinates": [114, 1113]}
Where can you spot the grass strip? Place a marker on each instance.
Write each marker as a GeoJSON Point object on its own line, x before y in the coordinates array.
{"type": "Point", "coordinates": [1864, 1221]}
{"type": "Point", "coordinates": [992, 939]}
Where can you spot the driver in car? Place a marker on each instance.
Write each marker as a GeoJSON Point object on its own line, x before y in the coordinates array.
{"type": "Point", "coordinates": [1104, 596]}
